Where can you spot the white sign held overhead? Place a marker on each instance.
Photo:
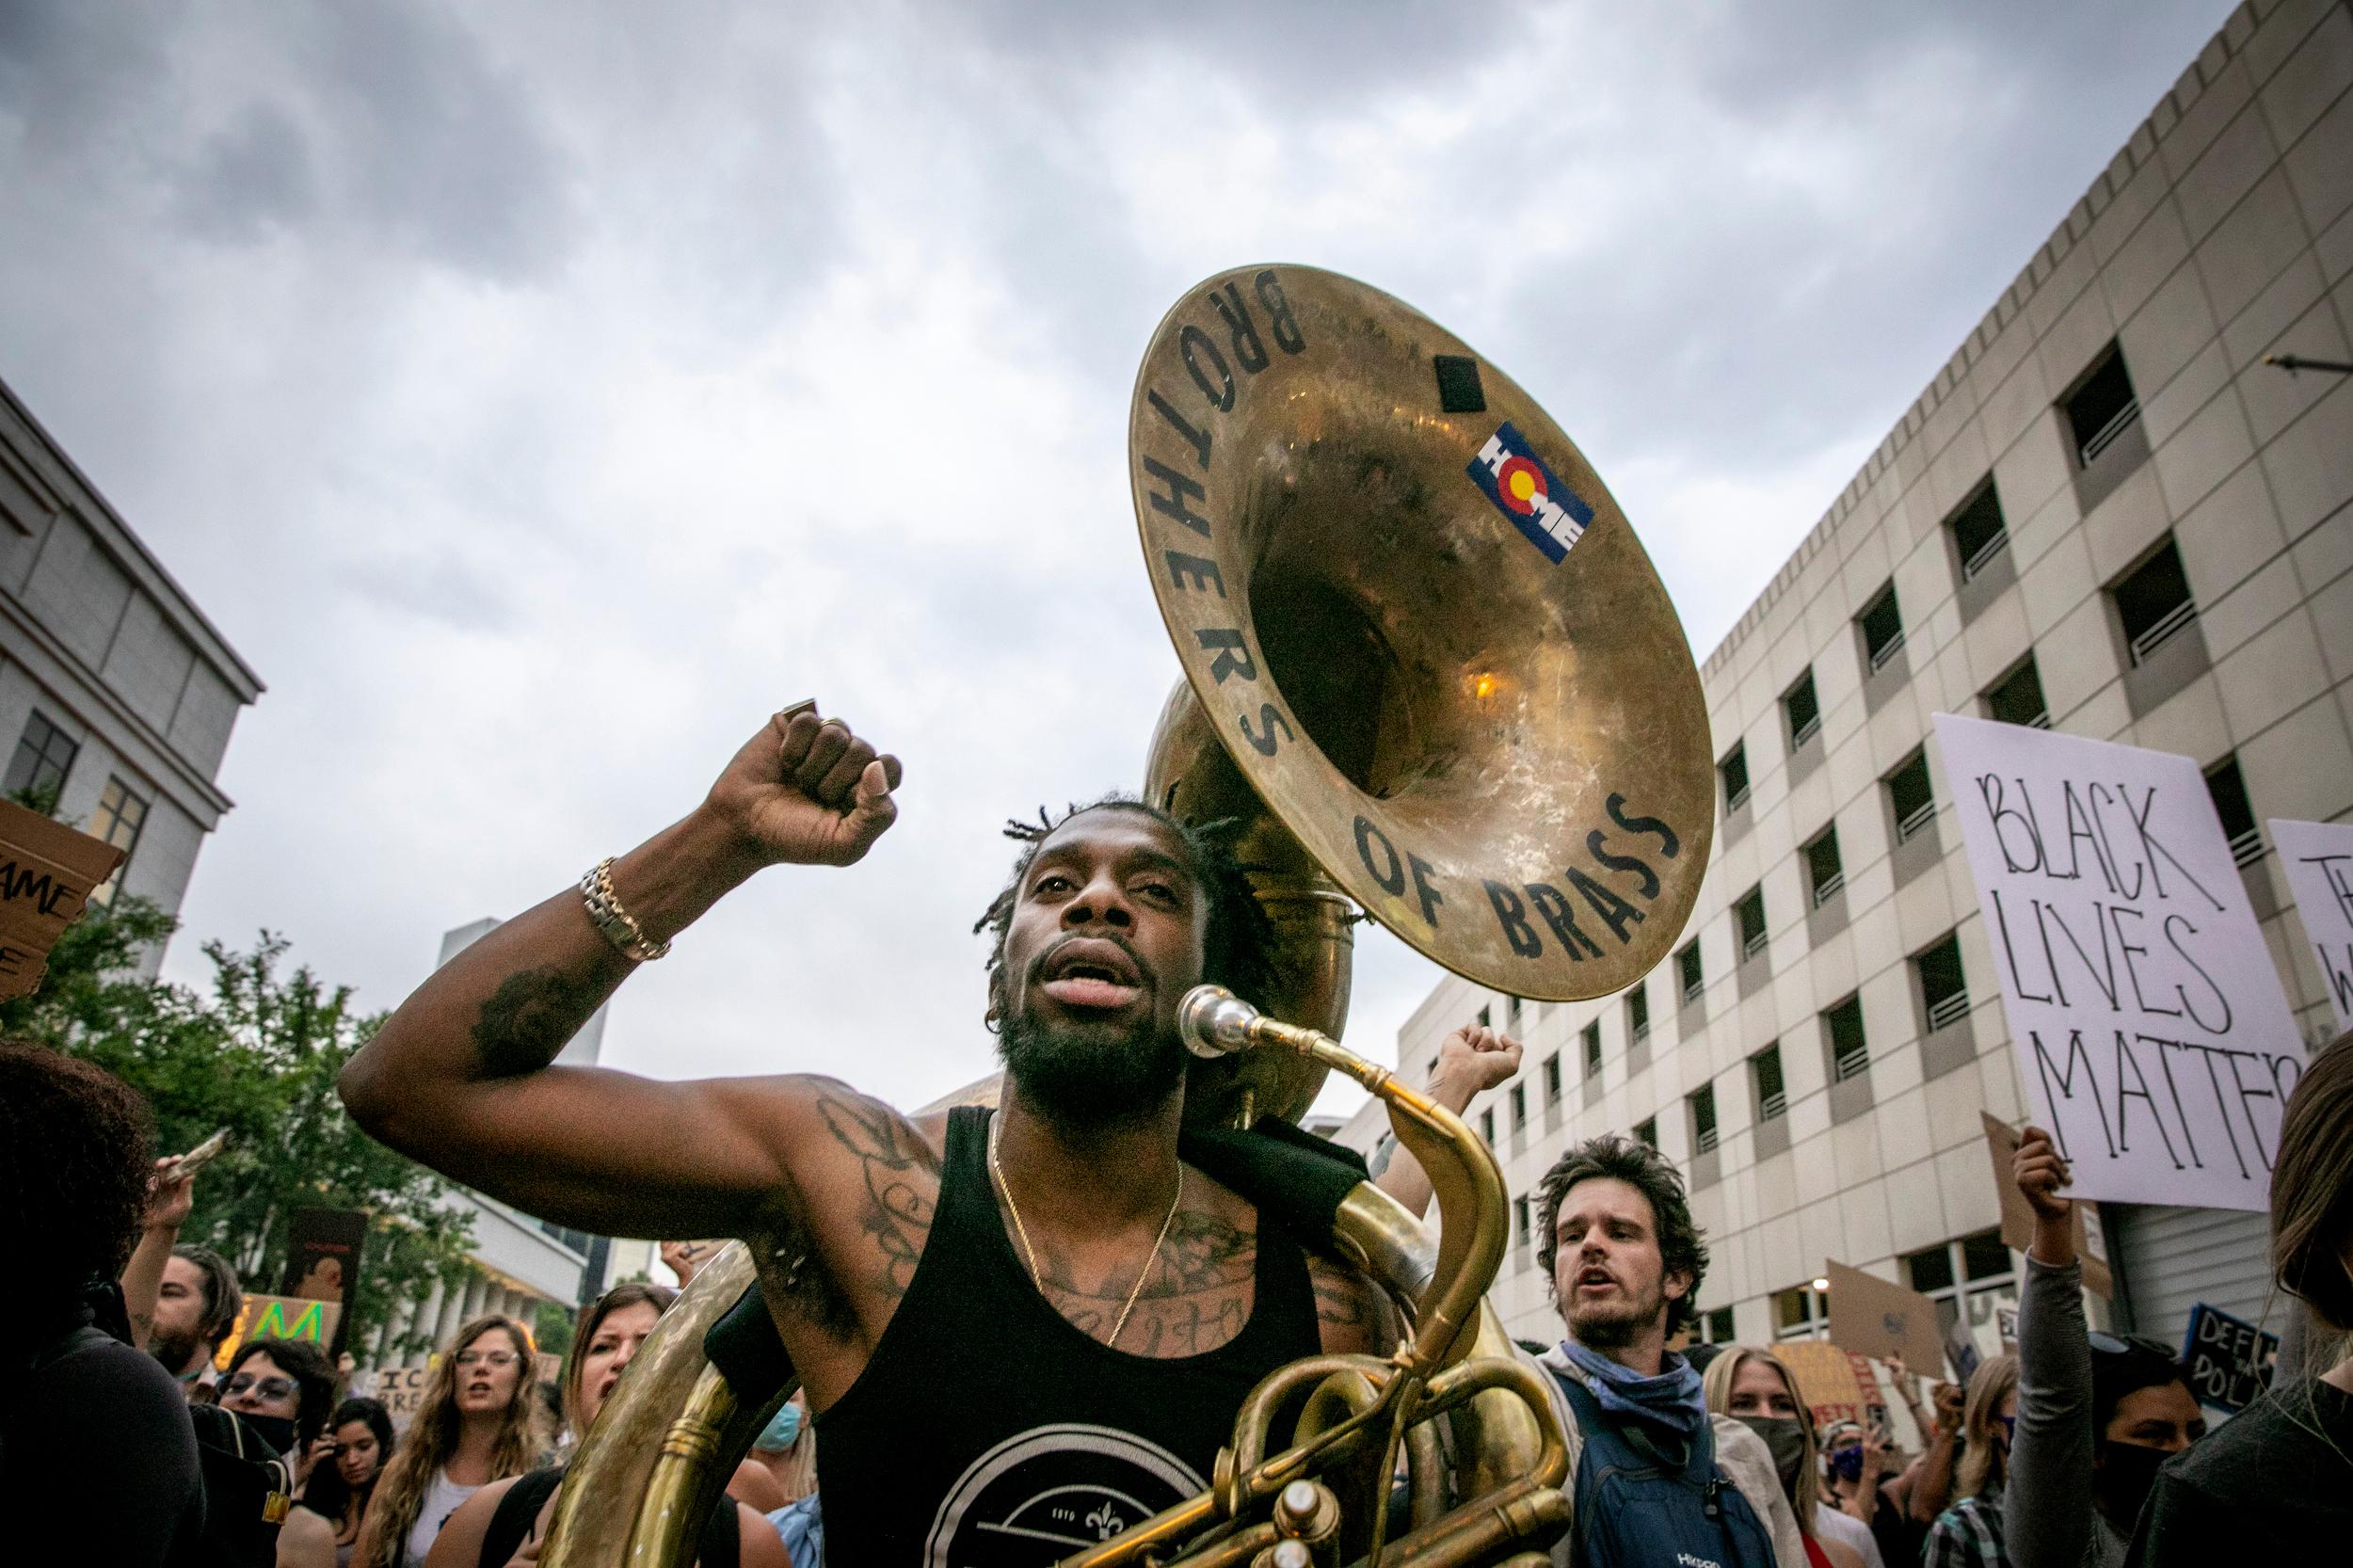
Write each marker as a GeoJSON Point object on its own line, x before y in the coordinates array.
{"type": "Point", "coordinates": [2319, 861]}
{"type": "Point", "coordinates": [2151, 1030]}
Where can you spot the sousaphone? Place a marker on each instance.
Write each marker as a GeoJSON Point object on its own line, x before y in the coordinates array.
{"type": "Point", "coordinates": [1433, 680]}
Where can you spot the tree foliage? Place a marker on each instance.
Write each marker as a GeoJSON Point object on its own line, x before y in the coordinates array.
{"type": "Point", "coordinates": [258, 1054]}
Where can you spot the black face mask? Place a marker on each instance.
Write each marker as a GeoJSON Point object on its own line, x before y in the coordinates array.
{"type": "Point", "coordinates": [277, 1430]}
{"type": "Point", "coordinates": [2127, 1470]}
{"type": "Point", "coordinates": [1785, 1438]}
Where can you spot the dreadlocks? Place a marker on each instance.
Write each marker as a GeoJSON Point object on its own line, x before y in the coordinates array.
{"type": "Point", "coordinates": [1238, 946]}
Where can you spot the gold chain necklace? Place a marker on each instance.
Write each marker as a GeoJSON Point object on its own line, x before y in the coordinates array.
{"type": "Point", "coordinates": [998, 1122]}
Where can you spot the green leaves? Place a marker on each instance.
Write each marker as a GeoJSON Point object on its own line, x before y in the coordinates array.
{"type": "Point", "coordinates": [258, 1055]}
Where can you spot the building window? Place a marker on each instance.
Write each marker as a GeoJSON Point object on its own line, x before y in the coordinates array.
{"type": "Point", "coordinates": [1486, 1018]}
{"type": "Point", "coordinates": [1749, 917]}
{"type": "Point", "coordinates": [2102, 408]}
{"type": "Point", "coordinates": [1519, 1220]}
{"type": "Point", "coordinates": [2228, 786]}
{"type": "Point", "coordinates": [1883, 626]}
{"type": "Point", "coordinates": [1510, 1014]}
{"type": "Point", "coordinates": [2154, 603]}
{"type": "Point", "coordinates": [45, 754]}
{"type": "Point", "coordinates": [1849, 1053]}
{"type": "Point", "coordinates": [1979, 533]}
{"type": "Point", "coordinates": [1637, 1013]}
{"type": "Point", "coordinates": [2017, 698]}
{"type": "Point", "coordinates": [1802, 711]}
{"type": "Point", "coordinates": [1825, 873]}
{"type": "Point", "coordinates": [1973, 1275]}
{"type": "Point", "coordinates": [1914, 799]}
{"type": "Point", "coordinates": [1943, 989]}
{"type": "Point", "coordinates": [121, 814]}
{"type": "Point", "coordinates": [1552, 1079]}
{"type": "Point", "coordinates": [1646, 1131]}
{"type": "Point", "coordinates": [1702, 1102]}
{"type": "Point", "coordinates": [1487, 1126]}
{"type": "Point", "coordinates": [1800, 1312]}
{"type": "Point", "coordinates": [1519, 1107]}
{"type": "Point", "coordinates": [1592, 1041]}
{"type": "Point", "coordinates": [1734, 771]}
{"type": "Point", "coordinates": [1688, 972]}
{"type": "Point", "coordinates": [1773, 1094]}
{"type": "Point", "coordinates": [1716, 1327]}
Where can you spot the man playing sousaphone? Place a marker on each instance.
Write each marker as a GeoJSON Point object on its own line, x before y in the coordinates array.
{"type": "Point", "coordinates": [1021, 1331]}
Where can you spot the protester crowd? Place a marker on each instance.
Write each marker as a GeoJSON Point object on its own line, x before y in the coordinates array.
{"type": "Point", "coordinates": [124, 1425]}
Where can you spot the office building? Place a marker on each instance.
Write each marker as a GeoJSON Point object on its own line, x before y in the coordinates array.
{"type": "Point", "coordinates": [2107, 514]}
{"type": "Point", "coordinates": [117, 695]}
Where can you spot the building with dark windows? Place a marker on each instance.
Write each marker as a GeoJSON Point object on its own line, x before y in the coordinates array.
{"type": "Point", "coordinates": [117, 695]}
{"type": "Point", "coordinates": [2107, 515]}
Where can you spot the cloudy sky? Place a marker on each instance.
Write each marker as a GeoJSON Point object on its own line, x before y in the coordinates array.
{"type": "Point", "coordinates": [537, 395]}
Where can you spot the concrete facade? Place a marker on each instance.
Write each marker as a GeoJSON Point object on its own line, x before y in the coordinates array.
{"type": "Point", "coordinates": [114, 691]}
{"type": "Point", "coordinates": [2222, 232]}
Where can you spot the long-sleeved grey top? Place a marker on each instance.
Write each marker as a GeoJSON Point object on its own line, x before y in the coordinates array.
{"type": "Point", "coordinates": [2048, 1520]}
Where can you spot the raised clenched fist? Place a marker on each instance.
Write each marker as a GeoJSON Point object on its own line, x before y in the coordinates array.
{"type": "Point", "coordinates": [1475, 1058]}
{"type": "Point", "coordinates": [2040, 1173]}
{"type": "Point", "coordinates": [806, 791]}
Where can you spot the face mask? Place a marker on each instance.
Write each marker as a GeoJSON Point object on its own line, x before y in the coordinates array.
{"type": "Point", "coordinates": [1846, 1463]}
{"type": "Point", "coordinates": [2126, 1472]}
{"type": "Point", "coordinates": [1785, 1438]}
{"type": "Point", "coordinates": [781, 1430]}
{"type": "Point", "coordinates": [277, 1430]}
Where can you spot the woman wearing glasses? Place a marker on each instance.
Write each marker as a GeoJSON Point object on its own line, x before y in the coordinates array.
{"type": "Point", "coordinates": [479, 1423]}
{"type": "Point", "coordinates": [506, 1522]}
{"type": "Point", "coordinates": [282, 1389]}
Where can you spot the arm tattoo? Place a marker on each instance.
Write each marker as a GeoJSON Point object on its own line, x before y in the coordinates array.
{"type": "Point", "coordinates": [530, 1017]}
{"type": "Point", "coordinates": [893, 1159]}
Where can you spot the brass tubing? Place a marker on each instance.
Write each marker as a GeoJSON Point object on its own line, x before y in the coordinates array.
{"type": "Point", "coordinates": [1471, 1198]}
{"type": "Point", "coordinates": [1525, 1510]}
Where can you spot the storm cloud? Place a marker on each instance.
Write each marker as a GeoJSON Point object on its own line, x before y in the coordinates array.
{"type": "Point", "coordinates": [538, 396]}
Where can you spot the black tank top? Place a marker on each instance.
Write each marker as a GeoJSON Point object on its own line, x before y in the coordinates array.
{"type": "Point", "coordinates": [987, 1431]}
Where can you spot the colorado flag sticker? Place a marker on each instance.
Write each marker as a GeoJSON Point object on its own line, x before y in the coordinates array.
{"type": "Point", "coordinates": [1552, 516]}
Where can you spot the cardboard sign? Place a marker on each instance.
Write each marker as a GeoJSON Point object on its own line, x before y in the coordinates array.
{"type": "Point", "coordinates": [47, 870]}
{"type": "Point", "coordinates": [2229, 1361]}
{"type": "Point", "coordinates": [1835, 1386]}
{"type": "Point", "coordinates": [401, 1390]}
{"type": "Point", "coordinates": [2001, 1143]}
{"type": "Point", "coordinates": [324, 1247]}
{"type": "Point", "coordinates": [1871, 1316]}
{"type": "Point", "coordinates": [2151, 1030]}
{"type": "Point", "coordinates": [282, 1318]}
{"type": "Point", "coordinates": [2318, 857]}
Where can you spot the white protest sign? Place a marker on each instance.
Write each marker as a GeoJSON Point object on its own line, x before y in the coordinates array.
{"type": "Point", "coordinates": [2319, 861]}
{"type": "Point", "coordinates": [2151, 1033]}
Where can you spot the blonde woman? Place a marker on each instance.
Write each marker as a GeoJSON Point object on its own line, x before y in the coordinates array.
{"type": "Point", "coordinates": [1969, 1533]}
{"type": "Point", "coordinates": [480, 1423]}
{"type": "Point", "coordinates": [506, 1521]}
{"type": "Point", "coordinates": [1754, 1388]}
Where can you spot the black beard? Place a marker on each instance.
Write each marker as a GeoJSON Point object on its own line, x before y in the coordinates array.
{"type": "Point", "coordinates": [1095, 1076]}
{"type": "Point", "coordinates": [174, 1351]}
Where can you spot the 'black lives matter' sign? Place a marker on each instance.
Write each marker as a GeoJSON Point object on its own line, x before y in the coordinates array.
{"type": "Point", "coordinates": [2151, 1030]}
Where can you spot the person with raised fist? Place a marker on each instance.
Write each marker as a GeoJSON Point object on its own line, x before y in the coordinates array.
{"type": "Point", "coordinates": [1127, 1301]}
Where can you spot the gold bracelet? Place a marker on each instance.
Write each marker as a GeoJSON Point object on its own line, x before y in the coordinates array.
{"type": "Point", "coordinates": [620, 926]}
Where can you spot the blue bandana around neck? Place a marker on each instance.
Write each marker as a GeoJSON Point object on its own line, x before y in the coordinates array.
{"type": "Point", "coordinates": [1670, 1401]}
